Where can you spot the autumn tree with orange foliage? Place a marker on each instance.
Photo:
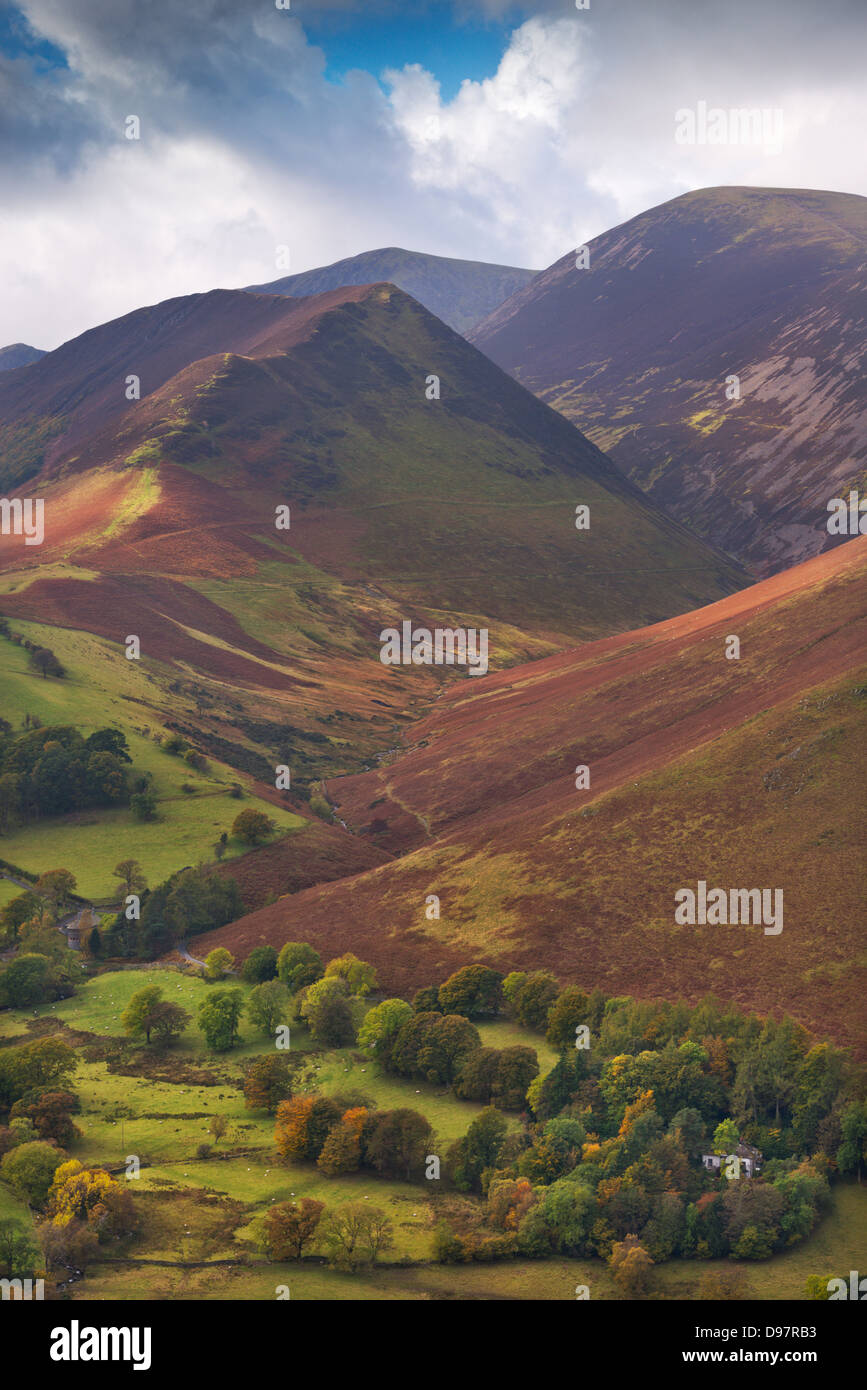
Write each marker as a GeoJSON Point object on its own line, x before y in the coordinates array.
{"type": "Point", "coordinates": [341, 1152]}
{"type": "Point", "coordinates": [290, 1131]}
{"type": "Point", "coordinates": [509, 1200]}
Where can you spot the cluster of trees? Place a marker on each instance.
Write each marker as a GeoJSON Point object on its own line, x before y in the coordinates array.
{"type": "Point", "coordinates": [326, 1005]}
{"type": "Point", "coordinates": [190, 901]}
{"type": "Point", "coordinates": [559, 1189]}
{"type": "Point", "coordinates": [445, 1048]}
{"type": "Point", "coordinates": [608, 1161]}
{"type": "Point", "coordinates": [81, 1207]}
{"type": "Point", "coordinates": [33, 977]}
{"type": "Point", "coordinates": [351, 1235]}
{"type": "Point", "coordinates": [219, 1016]}
{"type": "Point", "coordinates": [51, 770]}
{"type": "Point", "coordinates": [42, 968]}
{"type": "Point", "coordinates": [344, 1134]}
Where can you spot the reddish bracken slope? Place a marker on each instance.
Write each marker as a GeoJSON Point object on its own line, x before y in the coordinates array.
{"type": "Point", "coordinates": [745, 773]}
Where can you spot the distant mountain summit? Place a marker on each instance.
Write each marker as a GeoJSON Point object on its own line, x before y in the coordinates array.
{"type": "Point", "coordinates": [458, 292]}
{"type": "Point", "coordinates": [641, 349]}
{"type": "Point", "coordinates": [18, 355]}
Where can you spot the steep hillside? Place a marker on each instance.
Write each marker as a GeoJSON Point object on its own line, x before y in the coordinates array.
{"type": "Point", "coordinates": [764, 284]}
{"type": "Point", "coordinates": [458, 292]}
{"type": "Point", "coordinates": [743, 773]}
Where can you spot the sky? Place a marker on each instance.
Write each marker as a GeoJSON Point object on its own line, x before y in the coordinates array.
{"type": "Point", "coordinates": [483, 129]}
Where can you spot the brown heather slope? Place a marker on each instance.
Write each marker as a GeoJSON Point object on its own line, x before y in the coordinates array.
{"type": "Point", "coordinates": [160, 514]}
{"type": "Point", "coordinates": [769, 284]}
{"type": "Point", "coordinates": [744, 773]}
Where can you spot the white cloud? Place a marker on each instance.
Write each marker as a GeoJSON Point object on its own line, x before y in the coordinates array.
{"type": "Point", "coordinates": [246, 146]}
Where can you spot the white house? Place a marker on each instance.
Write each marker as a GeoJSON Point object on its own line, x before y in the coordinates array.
{"type": "Point", "coordinates": [750, 1160]}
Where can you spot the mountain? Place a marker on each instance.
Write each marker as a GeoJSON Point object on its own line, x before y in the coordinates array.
{"type": "Point", "coordinates": [743, 773]}
{"type": "Point", "coordinates": [458, 292]}
{"type": "Point", "coordinates": [761, 283]}
{"type": "Point", "coordinates": [18, 355]}
{"type": "Point", "coordinates": [263, 645]}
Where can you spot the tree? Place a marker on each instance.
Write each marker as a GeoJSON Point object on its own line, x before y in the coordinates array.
{"type": "Point", "coordinates": [55, 888]}
{"type": "Point", "coordinates": [217, 1127]}
{"type": "Point", "coordinates": [30, 1170]}
{"type": "Point", "coordinates": [533, 998]}
{"type": "Point", "coordinates": [218, 962]}
{"type": "Point", "coordinates": [27, 980]}
{"type": "Point", "coordinates": [136, 1017]}
{"type": "Point", "coordinates": [509, 1200]}
{"type": "Point", "coordinates": [478, 1150]}
{"type": "Point", "coordinates": [473, 990]}
{"type": "Point", "coordinates": [326, 1010]}
{"type": "Point", "coordinates": [820, 1082]}
{"type": "Point", "coordinates": [324, 1115]}
{"type": "Point", "coordinates": [40, 1066]}
{"type": "Point", "coordinates": [109, 740]}
{"type": "Point", "coordinates": [218, 1018]}
{"type": "Point", "coordinates": [18, 1254]}
{"type": "Point", "coordinates": [130, 874]}
{"type": "Point", "coordinates": [50, 1114]}
{"type": "Point", "coordinates": [630, 1265]}
{"type": "Point", "coordinates": [20, 910]}
{"type": "Point", "coordinates": [516, 1069]}
{"type": "Point", "coordinates": [565, 1015]}
{"type": "Point", "coordinates": [144, 805]}
{"type": "Point", "coordinates": [252, 827]}
{"type": "Point", "coordinates": [359, 976]}
{"type": "Point", "coordinates": [267, 1082]}
{"type": "Point", "coordinates": [267, 1005]}
{"type": "Point", "coordinates": [289, 1227]}
{"type": "Point", "coordinates": [726, 1137]}
{"type": "Point", "coordinates": [168, 1020]}
{"type": "Point", "coordinates": [341, 1152]}
{"type": "Point", "coordinates": [355, 1233]}
{"type": "Point", "coordinates": [396, 1142]}
{"type": "Point", "coordinates": [450, 1040]}
{"type": "Point", "coordinates": [548, 1095]}
{"type": "Point", "coordinates": [753, 1211]}
{"type": "Point", "coordinates": [380, 1028]}
{"type": "Point", "coordinates": [10, 799]}
{"type": "Point", "coordinates": [290, 1130]}
{"type": "Point", "coordinates": [44, 661]}
{"type": "Point", "coordinates": [377, 1233]}
{"type": "Point", "coordinates": [92, 1196]}
{"type": "Point", "coordinates": [298, 965]}
{"type": "Point", "coordinates": [688, 1128]}
{"type": "Point", "coordinates": [427, 1000]}
{"type": "Point", "coordinates": [71, 1246]}
{"type": "Point", "coordinates": [852, 1153]}
{"type": "Point", "coordinates": [412, 1036]}
{"type": "Point", "coordinates": [816, 1288]}
{"type": "Point", "coordinates": [478, 1074]}
{"type": "Point", "coordinates": [260, 965]}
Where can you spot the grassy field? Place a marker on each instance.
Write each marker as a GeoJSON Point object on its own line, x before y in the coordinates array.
{"type": "Point", "coordinates": [8, 891]}
{"type": "Point", "coordinates": [101, 688]}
